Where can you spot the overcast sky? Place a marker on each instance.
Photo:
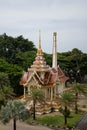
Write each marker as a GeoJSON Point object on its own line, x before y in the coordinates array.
{"type": "Point", "coordinates": [66, 17]}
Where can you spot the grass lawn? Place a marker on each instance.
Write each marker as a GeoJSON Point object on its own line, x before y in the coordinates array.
{"type": "Point", "coordinates": [58, 120]}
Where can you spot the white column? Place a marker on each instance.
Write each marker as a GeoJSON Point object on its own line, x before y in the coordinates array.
{"type": "Point", "coordinates": [55, 91]}
{"type": "Point", "coordinates": [24, 91]}
{"type": "Point", "coordinates": [45, 94]}
{"type": "Point", "coordinates": [51, 93]}
{"type": "Point", "coordinates": [28, 90]}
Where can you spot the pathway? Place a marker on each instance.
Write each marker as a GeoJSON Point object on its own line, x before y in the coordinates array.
{"type": "Point", "coordinates": [82, 125]}
{"type": "Point", "coordinates": [25, 126]}
{"type": "Point", "coordinates": [22, 126]}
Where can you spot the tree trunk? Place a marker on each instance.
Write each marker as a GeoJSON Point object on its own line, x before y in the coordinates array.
{"type": "Point", "coordinates": [76, 107]}
{"type": "Point", "coordinates": [65, 115]}
{"type": "Point", "coordinates": [14, 123]}
{"type": "Point", "coordinates": [34, 116]}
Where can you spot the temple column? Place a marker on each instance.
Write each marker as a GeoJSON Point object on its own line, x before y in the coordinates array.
{"type": "Point", "coordinates": [45, 94]}
{"type": "Point", "coordinates": [24, 91]}
{"type": "Point", "coordinates": [55, 92]}
{"type": "Point", "coordinates": [57, 87]}
{"type": "Point", "coordinates": [51, 93]}
{"type": "Point", "coordinates": [28, 90]}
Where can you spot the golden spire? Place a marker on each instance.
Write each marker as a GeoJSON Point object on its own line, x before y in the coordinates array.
{"type": "Point", "coordinates": [39, 51]}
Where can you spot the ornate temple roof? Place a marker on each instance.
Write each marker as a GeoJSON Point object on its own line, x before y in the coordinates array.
{"type": "Point", "coordinates": [50, 77]}
{"type": "Point", "coordinates": [39, 64]}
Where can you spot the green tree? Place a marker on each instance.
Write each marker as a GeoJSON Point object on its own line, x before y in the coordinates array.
{"type": "Point", "coordinates": [37, 96]}
{"type": "Point", "coordinates": [6, 91]}
{"type": "Point", "coordinates": [25, 59]}
{"type": "Point", "coordinates": [10, 46]}
{"type": "Point", "coordinates": [14, 73]}
{"type": "Point", "coordinates": [48, 58]}
{"type": "Point", "coordinates": [83, 64]}
{"type": "Point", "coordinates": [4, 80]}
{"type": "Point", "coordinates": [15, 110]}
{"type": "Point", "coordinates": [77, 89]}
{"type": "Point", "coordinates": [73, 60]}
{"type": "Point", "coordinates": [66, 100]}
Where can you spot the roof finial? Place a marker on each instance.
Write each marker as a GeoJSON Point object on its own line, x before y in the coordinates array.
{"type": "Point", "coordinates": [39, 51]}
{"type": "Point", "coordinates": [39, 39]}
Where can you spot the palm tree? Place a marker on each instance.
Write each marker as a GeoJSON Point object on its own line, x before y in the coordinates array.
{"type": "Point", "coordinates": [66, 100]}
{"type": "Point", "coordinates": [37, 96]}
{"type": "Point", "coordinates": [77, 89]}
{"type": "Point", "coordinates": [13, 110]}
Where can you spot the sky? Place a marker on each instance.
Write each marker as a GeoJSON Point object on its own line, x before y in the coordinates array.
{"type": "Point", "coordinates": [66, 17]}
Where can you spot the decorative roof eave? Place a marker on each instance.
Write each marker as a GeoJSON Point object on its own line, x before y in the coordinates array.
{"type": "Point", "coordinates": [63, 79]}
{"type": "Point", "coordinates": [40, 69]}
{"type": "Point", "coordinates": [34, 79]}
{"type": "Point", "coordinates": [33, 76]}
{"type": "Point", "coordinates": [24, 78]}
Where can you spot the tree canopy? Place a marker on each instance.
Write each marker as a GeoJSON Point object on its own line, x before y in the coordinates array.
{"type": "Point", "coordinates": [10, 46]}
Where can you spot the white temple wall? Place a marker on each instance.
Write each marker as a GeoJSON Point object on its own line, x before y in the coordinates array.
{"type": "Point", "coordinates": [61, 87]}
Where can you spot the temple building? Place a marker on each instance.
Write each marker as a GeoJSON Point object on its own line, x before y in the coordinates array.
{"type": "Point", "coordinates": [40, 75]}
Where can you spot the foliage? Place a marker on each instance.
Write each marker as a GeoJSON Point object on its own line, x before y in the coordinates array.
{"type": "Point", "coordinates": [77, 89]}
{"type": "Point", "coordinates": [48, 58]}
{"type": "Point", "coordinates": [37, 96]}
{"type": "Point", "coordinates": [66, 100]}
{"type": "Point", "coordinates": [73, 62]}
{"type": "Point", "coordinates": [15, 110]}
{"type": "Point", "coordinates": [10, 46]}
{"type": "Point", "coordinates": [6, 91]}
{"type": "Point", "coordinates": [14, 73]}
{"type": "Point", "coordinates": [15, 57]}
{"type": "Point", "coordinates": [25, 59]}
{"type": "Point", "coordinates": [4, 80]}
{"type": "Point", "coordinates": [61, 110]}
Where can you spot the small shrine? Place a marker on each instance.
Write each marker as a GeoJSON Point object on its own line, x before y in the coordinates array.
{"type": "Point", "coordinates": [41, 76]}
